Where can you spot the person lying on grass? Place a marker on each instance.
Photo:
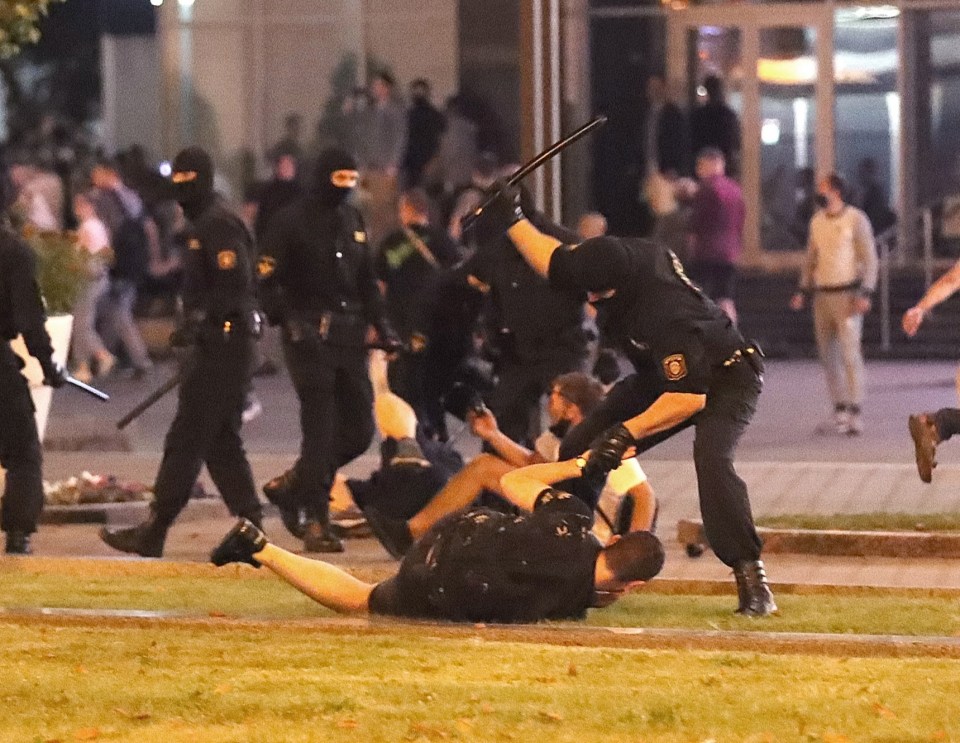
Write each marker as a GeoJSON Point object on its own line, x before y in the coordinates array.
{"type": "Point", "coordinates": [480, 565]}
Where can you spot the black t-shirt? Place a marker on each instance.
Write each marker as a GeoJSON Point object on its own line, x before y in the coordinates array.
{"type": "Point", "coordinates": [486, 566]}
{"type": "Point", "coordinates": [658, 315]}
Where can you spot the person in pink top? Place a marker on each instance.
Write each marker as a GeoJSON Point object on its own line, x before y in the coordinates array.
{"type": "Point", "coordinates": [716, 230]}
{"type": "Point", "coordinates": [87, 348]}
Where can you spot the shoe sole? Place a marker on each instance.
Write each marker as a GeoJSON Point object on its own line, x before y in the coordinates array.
{"type": "Point", "coordinates": [925, 459]}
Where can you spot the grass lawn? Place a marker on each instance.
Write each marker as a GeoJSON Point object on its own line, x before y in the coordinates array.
{"type": "Point", "coordinates": [865, 521]}
{"type": "Point", "coordinates": [216, 680]}
{"type": "Point", "coordinates": [234, 683]}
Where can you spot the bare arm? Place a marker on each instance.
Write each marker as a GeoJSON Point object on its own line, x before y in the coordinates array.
{"type": "Point", "coordinates": [941, 290]}
{"type": "Point", "coordinates": [667, 411]}
{"type": "Point", "coordinates": [485, 426]}
{"type": "Point", "coordinates": [536, 248]}
{"type": "Point", "coordinates": [522, 487]}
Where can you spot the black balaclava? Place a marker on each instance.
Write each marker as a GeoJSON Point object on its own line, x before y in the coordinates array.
{"type": "Point", "coordinates": [329, 162]}
{"type": "Point", "coordinates": [192, 181]}
{"type": "Point", "coordinates": [599, 264]}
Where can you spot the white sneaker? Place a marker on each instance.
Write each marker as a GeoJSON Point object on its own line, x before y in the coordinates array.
{"type": "Point", "coordinates": [251, 409]}
{"type": "Point", "coordinates": [837, 423]}
{"type": "Point", "coordinates": [854, 425]}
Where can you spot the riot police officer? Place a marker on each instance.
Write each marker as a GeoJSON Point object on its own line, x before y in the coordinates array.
{"type": "Point", "coordinates": [21, 312]}
{"type": "Point", "coordinates": [219, 329]}
{"type": "Point", "coordinates": [317, 280]}
{"type": "Point", "coordinates": [692, 368]}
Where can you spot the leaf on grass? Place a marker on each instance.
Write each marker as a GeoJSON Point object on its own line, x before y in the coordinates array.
{"type": "Point", "coordinates": [87, 734]}
{"type": "Point", "coordinates": [486, 708]}
{"type": "Point", "coordinates": [223, 689]}
{"type": "Point", "coordinates": [217, 614]}
{"type": "Point", "coordinates": [939, 735]}
{"type": "Point", "coordinates": [831, 737]}
{"type": "Point", "coordinates": [465, 725]}
{"type": "Point", "coordinates": [884, 712]}
{"type": "Point", "coordinates": [347, 724]}
{"type": "Point", "coordinates": [80, 670]}
{"type": "Point", "coordinates": [572, 670]}
{"type": "Point", "coordinates": [551, 716]}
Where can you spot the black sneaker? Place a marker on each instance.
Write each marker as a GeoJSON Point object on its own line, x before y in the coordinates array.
{"type": "Point", "coordinates": [144, 539]}
{"type": "Point", "coordinates": [755, 597]}
{"type": "Point", "coordinates": [280, 492]}
{"type": "Point", "coordinates": [240, 544]}
{"type": "Point", "coordinates": [393, 534]}
{"type": "Point", "coordinates": [320, 538]}
{"type": "Point", "coordinates": [18, 543]}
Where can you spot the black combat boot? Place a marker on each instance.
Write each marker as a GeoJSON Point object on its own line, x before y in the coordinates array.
{"type": "Point", "coordinates": [756, 599]}
{"type": "Point", "coordinates": [145, 539]}
{"type": "Point", "coordinates": [319, 537]}
{"type": "Point", "coordinates": [242, 542]}
{"type": "Point", "coordinates": [18, 543]}
{"type": "Point", "coordinates": [393, 534]}
{"type": "Point", "coordinates": [280, 492]}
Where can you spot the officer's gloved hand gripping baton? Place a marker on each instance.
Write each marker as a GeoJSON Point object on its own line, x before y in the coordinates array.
{"type": "Point", "coordinates": [535, 163]}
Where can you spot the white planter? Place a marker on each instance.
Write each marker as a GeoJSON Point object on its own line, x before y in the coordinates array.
{"type": "Point", "coordinates": [59, 328]}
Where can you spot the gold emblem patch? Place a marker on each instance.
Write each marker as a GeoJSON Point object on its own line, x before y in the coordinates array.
{"type": "Point", "coordinates": [359, 236]}
{"type": "Point", "coordinates": [266, 266]}
{"type": "Point", "coordinates": [193, 244]}
{"type": "Point", "coordinates": [675, 367]}
{"type": "Point", "coordinates": [226, 259]}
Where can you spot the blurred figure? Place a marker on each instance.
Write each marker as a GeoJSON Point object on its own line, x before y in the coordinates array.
{"type": "Point", "coordinates": [840, 271]}
{"type": "Point", "coordinates": [86, 347]}
{"type": "Point", "coordinates": [425, 125]}
{"type": "Point", "coordinates": [410, 266]}
{"type": "Point", "coordinates": [805, 200]}
{"type": "Point", "coordinates": [38, 196]}
{"type": "Point", "coordinates": [591, 224]}
{"type": "Point", "coordinates": [715, 124]}
{"type": "Point", "coordinates": [469, 196]}
{"type": "Point", "coordinates": [382, 143]}
{"type": "Point", "coordinates": [454, 164]}
{"type": "Point", "coordinates": [289, 143]}
{"type": "Point", "coordinates": [717, 215]}
{"type": "Point", "coordinates": [667, 135]}
{"type": "Point", "coordinates": [871, 198]}
{"type": "Point", "coordinates": [121, 209]}
{"type": "Point", "coordinates": [283, 188]}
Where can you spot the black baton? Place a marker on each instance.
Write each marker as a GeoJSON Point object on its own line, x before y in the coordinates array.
{"type": "Point", "coordinates": [150, 400]}
{"type": "Point", "coordinates": [535, 163]}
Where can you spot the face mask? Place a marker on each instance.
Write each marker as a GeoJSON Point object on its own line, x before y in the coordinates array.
{"type": "Point", "coordinates": [560, 428]}
{"type": "Point", "coordinates": [820, 200]}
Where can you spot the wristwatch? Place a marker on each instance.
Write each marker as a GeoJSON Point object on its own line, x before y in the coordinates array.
{"type": "Point", "coordinates": [581, 462]}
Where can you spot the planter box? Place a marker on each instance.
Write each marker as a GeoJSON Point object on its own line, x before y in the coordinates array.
{"type": "Point", "coordinates": [59, 328]}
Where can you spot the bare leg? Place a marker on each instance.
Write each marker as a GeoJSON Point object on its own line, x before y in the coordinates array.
{"type": "Point", "coordinates": [483, 473]}
{"type": "Point", "coordinates": [324, 583]}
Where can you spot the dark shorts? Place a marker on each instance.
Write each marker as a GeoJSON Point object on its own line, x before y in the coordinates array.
{"type": "Point", "coordinates": [718, 280]}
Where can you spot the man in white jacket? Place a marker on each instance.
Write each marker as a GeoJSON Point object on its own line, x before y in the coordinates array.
{"type": "Point", "coordinates": [840, 273]}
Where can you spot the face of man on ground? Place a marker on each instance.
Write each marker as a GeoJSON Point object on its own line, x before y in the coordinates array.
{"type": "Point", "coordinates": [559, 408]}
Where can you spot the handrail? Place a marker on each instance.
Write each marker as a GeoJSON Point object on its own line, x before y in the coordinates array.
{"type": "Point", "coordinates": [886, 243]}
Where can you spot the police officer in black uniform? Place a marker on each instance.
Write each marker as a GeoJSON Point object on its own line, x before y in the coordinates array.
{"type": "Point", "coordinates": [537, 331]}
{"type": "Point", "coordinates": [219, 330]}
{"type": "Point", "coordinates": [21, 312]}
{"type": "Point", "coordinates": [692, 368]}
{"type": "Point", "coordinates": [317, 280]}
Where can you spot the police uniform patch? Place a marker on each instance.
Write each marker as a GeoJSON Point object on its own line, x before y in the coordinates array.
{"type": "Point", "coordinates": [266, 266]}
{"type": "Point", "coordinates": [193, 244]}
{"type": "Point", "coordinates": [675, 367]}
{"type": "Point", "coordinates": [226, 259]}
{"type": "Point", "coordinates": [359, 236]}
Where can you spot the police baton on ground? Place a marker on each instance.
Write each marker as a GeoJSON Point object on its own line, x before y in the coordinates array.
{"type": "Point", "coordinates": [535, 163]}
{"type": "Point", "coordinates": [99, 394]}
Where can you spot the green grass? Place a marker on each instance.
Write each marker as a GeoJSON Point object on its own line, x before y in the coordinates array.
{"type": "Point", "coordinates": [233, 683]}
{"type": "Point", "coordinates": [865, 521]}
{"type": "Point", "coordinates": [260, 595]}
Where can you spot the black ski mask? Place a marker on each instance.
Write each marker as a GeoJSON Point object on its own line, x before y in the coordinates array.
{"type": "Point", "coordinates": [192, 180]}
{"type": "Point", "coordinates": [329, 162]}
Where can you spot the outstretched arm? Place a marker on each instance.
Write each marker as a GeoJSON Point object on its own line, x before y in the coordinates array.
{"type": "Point", "coordinates": [941, 290]}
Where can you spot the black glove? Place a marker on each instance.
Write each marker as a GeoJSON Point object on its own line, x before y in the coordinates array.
{"type": "Point", "coordinates": [493, 221]}
{"type": "Point", "coordinates": [607, 450]}
{"type": "Point", "coordinates": [54, 375]}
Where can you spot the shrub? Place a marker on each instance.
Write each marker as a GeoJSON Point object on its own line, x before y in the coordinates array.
{"type": "Point", "coordinates": [62, 268]}
{"type": "Point", "coordinates": [18, 23]}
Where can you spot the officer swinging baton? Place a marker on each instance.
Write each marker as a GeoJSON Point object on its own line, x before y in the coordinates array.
{"type": "Point", "coordinates": [536, 162]}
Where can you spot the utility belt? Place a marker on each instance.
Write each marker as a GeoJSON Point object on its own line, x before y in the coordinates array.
{"type": "Point", "coordinates": [248, 324]}
{"type": "Point", "coordinates": [835, 289]}
{"type": "Point", "coordinates": [752, 354]}
{"type": "Point", "coordinates": [341, 329]}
